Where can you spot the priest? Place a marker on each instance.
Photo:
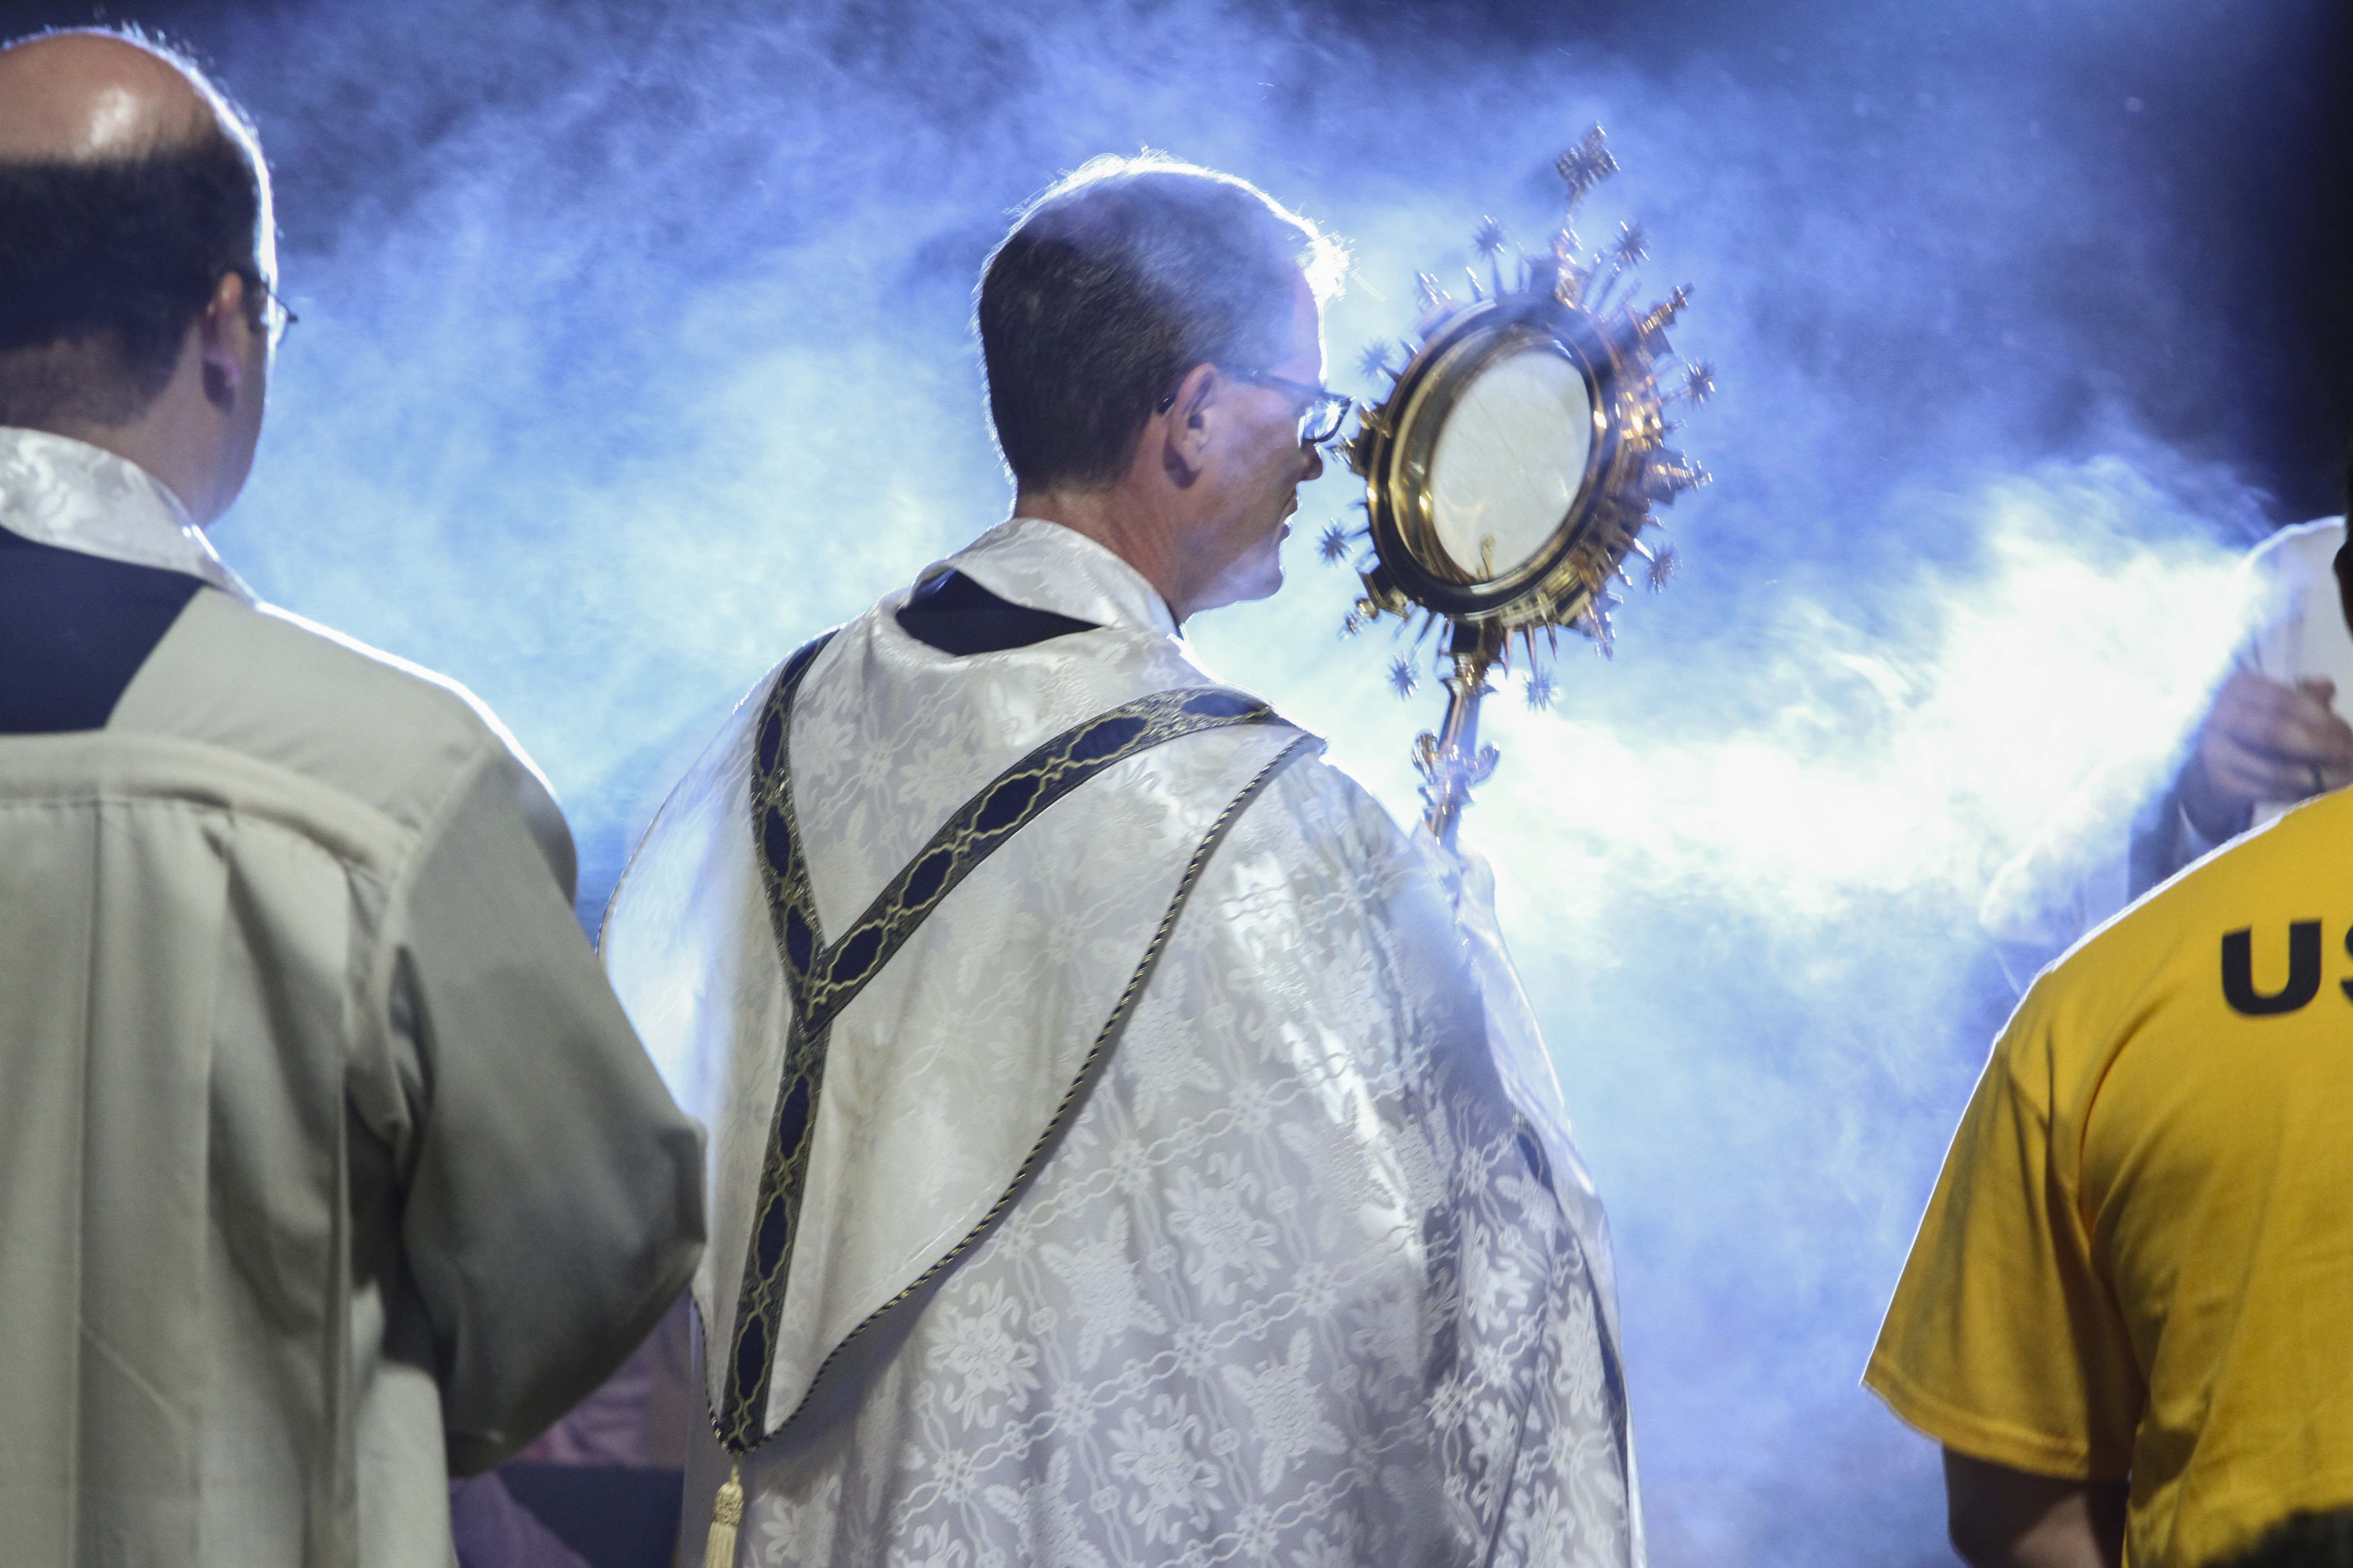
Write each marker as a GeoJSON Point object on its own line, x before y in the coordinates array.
{"type": "Point", "coordinates": [329, 1166]}
{"type": "Point", "coordinates": [1128, 1145]}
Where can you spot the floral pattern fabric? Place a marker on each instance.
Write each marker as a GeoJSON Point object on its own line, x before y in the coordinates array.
{"type": "Point", "coordinates": [1314, 1276]}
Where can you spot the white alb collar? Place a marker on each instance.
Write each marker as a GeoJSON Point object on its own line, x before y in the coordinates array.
{"type": "Point", "coordinates": [57, 491]}
{"type": "Point", "coordinates": [1047, 566]}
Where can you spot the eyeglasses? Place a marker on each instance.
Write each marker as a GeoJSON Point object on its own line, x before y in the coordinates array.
{"type": "Point", "coordinates": [275, 314]}
{"type": "Point", "coordinates": [1322, 410]}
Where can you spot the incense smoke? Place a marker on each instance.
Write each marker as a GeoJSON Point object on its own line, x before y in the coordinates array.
{"type": "Point", "coordinates": [634, 352]}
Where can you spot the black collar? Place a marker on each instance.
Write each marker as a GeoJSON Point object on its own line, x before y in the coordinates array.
{"type": "Point", "coordinates": [74, 629]}
{"type": "Point", "coordinates": [958, 616]}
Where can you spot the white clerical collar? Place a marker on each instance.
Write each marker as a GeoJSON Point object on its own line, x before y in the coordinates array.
{"type": "Point", "coordinates": [57, 491]}
{"type": "Point", "coordinates": [1046, 566]}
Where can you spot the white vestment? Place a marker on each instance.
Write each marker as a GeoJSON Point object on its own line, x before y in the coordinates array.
{"type": "Point", "coordinates": [328, 1164]}
{"type": "Point", "coordinates": [2108, 846]}
{"type": "Point", "coordinates": [1243, 1229]}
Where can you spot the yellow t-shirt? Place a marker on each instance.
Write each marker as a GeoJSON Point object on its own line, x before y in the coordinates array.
{"type": "Point", "coordinates": [2139, 1257]}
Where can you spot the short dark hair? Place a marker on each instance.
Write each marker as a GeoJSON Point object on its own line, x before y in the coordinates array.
{"type": "Point", "coordinates": [105, 262]}
{"type": "Point", "coordinates": [1114, 283]}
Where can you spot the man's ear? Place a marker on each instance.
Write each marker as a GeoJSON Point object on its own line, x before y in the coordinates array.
{"type": "Point", "coordinates": [224, 335]}
{"type": "Point", "coordinates": [1184, 449]}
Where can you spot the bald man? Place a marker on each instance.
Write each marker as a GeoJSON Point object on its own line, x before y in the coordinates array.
{"type": "Point", "coordinates": [328, 1164]}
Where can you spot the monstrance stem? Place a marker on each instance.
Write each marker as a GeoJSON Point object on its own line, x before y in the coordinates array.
{"type": "Point", "coordinates": [1452, 762]}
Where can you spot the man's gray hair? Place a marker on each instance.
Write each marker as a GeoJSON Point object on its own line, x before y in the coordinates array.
{"type": "Point", "coordinates": [1117, 281]}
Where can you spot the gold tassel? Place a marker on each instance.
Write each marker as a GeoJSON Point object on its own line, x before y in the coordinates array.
{"type": "Point", "coordinates": [727, 1513]}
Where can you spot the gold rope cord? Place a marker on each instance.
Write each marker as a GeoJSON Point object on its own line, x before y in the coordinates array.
{"type": "Point", "coordinates": [822, 979]}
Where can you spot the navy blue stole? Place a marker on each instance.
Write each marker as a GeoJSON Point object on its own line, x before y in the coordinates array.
{"type": "Point", "coordinates": [822, 978]}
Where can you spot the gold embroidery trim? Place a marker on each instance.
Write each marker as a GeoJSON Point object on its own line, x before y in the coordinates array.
{"type": "Point", "coordinates": [823, 978]}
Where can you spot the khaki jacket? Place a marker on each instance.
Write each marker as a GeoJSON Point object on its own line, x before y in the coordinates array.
{"type": "Point", "coordinates": [329, 1166]}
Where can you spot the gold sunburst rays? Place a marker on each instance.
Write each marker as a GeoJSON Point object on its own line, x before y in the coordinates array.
{"type": "Point", "coordinates": [1564, 303]}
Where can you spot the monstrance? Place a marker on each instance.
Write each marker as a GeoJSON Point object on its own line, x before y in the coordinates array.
{"type": "Point", "coordinates": [1512, 468]}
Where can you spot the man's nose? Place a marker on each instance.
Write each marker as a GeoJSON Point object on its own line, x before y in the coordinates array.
{"type": "Point", "coordinates": [1313, 467]}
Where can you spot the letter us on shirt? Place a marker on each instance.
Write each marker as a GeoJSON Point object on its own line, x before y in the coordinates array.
{"type": "Point", "coordinates": [2303, 983]}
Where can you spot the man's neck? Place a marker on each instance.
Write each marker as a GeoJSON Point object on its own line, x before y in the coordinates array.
{"type": "Point", "coordinates": [174, 438]}
{"type": "Point", "coordinates": [1113, 520]}
{"type": "Point", "coordinates": [147, 443]}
